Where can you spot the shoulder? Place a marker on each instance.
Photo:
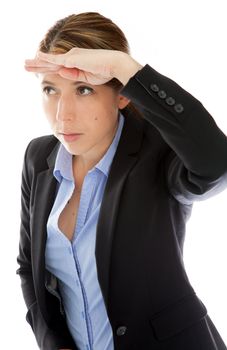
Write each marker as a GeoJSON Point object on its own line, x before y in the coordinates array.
{"type": "Point", "coordinates": [38, 150]}
{"type": "Point", "coordinates": [151, 140]}
{"type": "Point", "coordinates": [41, 145]}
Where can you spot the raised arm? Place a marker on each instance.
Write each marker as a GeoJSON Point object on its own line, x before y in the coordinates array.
{"type": "Point", "coordinates": [200, 165]}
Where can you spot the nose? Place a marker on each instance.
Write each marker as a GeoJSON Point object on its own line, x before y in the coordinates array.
{"type": "Point", "coordinates": [65, 108]}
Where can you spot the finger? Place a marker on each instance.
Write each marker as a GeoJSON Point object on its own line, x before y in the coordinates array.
{"type": "Point", "coordinates": [46, 70]}
{"type": "Point", "coordinates": [40, 66]}
{"type": "Point", "coordinates": [39, 63]}
{"type": "Point", "coordinates": [69, 73]}
{"type": "Point", "coordinates": [57, 59]}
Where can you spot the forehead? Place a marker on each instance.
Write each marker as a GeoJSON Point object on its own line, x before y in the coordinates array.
{"type": "Point", "coordinates": [56, 79]}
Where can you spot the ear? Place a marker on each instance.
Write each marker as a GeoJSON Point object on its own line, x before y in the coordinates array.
{"type": "Point", "coordinates": [122, 102]}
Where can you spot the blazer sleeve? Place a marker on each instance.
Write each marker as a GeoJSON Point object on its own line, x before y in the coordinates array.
{"type": "Point", "coordinates": [46, 338]}
{"type": "Point", "coordinates": [197, 168]}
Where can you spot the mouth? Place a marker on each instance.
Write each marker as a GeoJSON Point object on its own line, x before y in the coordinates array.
{"type": "Point", "coordinates": [70, 137]}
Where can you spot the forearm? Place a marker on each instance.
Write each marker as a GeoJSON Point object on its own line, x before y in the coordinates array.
{"type": "Point", "coordinates": [125, 67]}
{"type": "Point", "coordinates": [182, 121]}
{"type": "Point", "coordinates": [46, 337]}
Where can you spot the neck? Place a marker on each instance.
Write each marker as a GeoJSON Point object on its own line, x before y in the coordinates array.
{"type": "Point", "coordinates": [84, 162]}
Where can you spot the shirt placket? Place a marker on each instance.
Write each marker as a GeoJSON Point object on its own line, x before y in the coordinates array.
{"type": "Point", "coordinates": [85, 199]}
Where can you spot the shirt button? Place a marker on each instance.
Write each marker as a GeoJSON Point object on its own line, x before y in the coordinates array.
{"type": "Point", "coordinates": [179, 108]}
{"type": "Point", "coordinates": [162, 94]}
{"type": "Point", "coordinates": [154, 87]}
{"type": "Point", "coordinates": [121, 331]}
{"type": "Point", "coordinates": [170, 101]}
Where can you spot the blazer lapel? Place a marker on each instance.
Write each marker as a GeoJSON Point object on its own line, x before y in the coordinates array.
{"type": "Point", "coordinates": [44, 199]}
{"type": "Point", "coordinates": [125, 158]}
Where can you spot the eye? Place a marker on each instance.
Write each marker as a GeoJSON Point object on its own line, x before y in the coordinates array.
{"type": "Point", "coordinates": [84, 90]}
{"type": "Point", "coordinates": [48, 90]}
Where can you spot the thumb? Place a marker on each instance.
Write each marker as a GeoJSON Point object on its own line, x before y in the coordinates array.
{"type": "Point", "coordinates": [69, 73]}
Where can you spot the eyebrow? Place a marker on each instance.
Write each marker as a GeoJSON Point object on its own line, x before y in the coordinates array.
{"type": "Point", "coordinates": [48, 82]}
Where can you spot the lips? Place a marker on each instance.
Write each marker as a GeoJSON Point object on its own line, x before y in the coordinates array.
{"type": "Point", "coordinates": [69, 133]}
{"type": "Point", "coordinates": [70, 137]}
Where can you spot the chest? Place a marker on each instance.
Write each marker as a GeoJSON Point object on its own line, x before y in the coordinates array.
{"type": "Point", "coordinates": [68, 217]}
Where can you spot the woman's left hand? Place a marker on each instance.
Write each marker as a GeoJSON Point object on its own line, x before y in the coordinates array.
{"type": "Point", "coordinates": [94, 66]}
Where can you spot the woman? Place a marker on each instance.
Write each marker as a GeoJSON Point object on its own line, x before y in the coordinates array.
{"type": "Point", "coordinates": [105, 199]}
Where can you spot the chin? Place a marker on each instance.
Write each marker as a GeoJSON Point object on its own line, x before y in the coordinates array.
{"type": "Point", "coordinates": [72, 150]}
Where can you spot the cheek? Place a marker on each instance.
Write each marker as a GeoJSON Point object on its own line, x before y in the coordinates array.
{"type": "Point", "coordinates": [105, 112]}
{"type": "Point", "coordinates": [49, 111]}
{"type": "Point", "coordinates": [103, 121]}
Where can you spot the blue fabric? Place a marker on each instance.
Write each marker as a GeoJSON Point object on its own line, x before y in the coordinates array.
{"type": "Point", "coordinates": [73, 262]}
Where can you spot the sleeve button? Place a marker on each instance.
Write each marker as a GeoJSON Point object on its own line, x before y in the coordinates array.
{"type": "Point", "coordinates": [121, 331]}
{"type": "Point", "coordinates": [154, 87]}
{"type": "Point", "coordinates": [179, 108]}
{"type": "Point", "coordinates": [162, 94]}
{"type": "Point", "coordinates": [170, 101]}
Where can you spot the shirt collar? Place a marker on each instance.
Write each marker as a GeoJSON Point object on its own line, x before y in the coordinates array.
{"type": "Point", "coordinates": [104, 164]}
{"type": "Point", "coordinates": [63, 163]}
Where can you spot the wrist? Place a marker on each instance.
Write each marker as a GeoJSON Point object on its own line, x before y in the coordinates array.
{"type": "Point", "coordinates": [125, 67]}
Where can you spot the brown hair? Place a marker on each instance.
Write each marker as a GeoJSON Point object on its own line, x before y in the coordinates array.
{"type": "Point", "coordinates": [86, 30]}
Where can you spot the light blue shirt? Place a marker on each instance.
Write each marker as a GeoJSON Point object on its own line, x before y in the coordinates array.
{"type": "Point", "coordinates": [73, 262]}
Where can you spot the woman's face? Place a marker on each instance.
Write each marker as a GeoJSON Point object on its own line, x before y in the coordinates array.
{"type": "Point", "coordinates": [83, 117]}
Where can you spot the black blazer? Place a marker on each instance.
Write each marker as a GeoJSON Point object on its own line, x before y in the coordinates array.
{"type": "Point", "coordinates": [173, 155]}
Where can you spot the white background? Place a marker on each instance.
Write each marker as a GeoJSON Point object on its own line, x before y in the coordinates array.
{"type": "Point", "coordinates": [185, 40]}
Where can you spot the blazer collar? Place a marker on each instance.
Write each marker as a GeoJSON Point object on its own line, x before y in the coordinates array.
{"type": "Point", "coordinates": [45, 191]}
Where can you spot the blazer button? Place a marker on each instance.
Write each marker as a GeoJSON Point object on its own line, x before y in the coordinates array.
{"type": "Point", "coordinates": [179, 108]}
{"type": "Point", "coordinates": [162, 94]}
{"type": "Point", "coordinates": [170, 101]}
{"type": "Point", "coordinates": [154, 87]}
{"type": "Point", "coordinates": [121, 331]}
